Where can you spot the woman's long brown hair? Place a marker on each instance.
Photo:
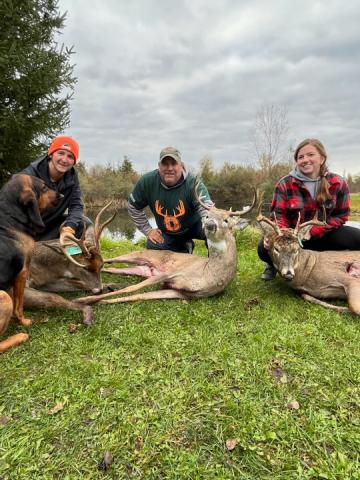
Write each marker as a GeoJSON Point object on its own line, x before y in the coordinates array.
{"type": "Point", "coordinates": [323, 192]}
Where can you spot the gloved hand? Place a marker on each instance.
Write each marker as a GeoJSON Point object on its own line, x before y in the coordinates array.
{"type": "Point", "coordinates": [64, 232]}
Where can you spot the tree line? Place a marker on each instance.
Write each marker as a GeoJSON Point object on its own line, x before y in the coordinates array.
{"type": "Point", "coordinates": [37, 83]}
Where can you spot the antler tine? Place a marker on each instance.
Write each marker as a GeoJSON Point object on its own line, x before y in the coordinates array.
{"type": "Point", "coordinates": [248, 209]}
{"type": "Point", "coordinates": [297, 226]}
{"type": "Point", "coordinates": [80, 242]}
{"type": "Point", "coordinates": [69, 257]}
{"type": "Point", "coordinates": [198, 198]}
{"type": "Point", "coordinates": [314, 221]}
{"type": "Point", "coordinates": [274, 225]}
{"type": "Point", "coordinates": [98, 228]}
{"type": "Point", "coordinates": [261, 199]}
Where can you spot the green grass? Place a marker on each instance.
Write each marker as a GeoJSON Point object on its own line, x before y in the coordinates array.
{"type": "Point", "coordinates": [355, 203]}
{"type": "Point", "coordinates": [163, 385]}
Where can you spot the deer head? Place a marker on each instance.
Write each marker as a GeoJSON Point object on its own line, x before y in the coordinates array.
{"type": "Point", "coordinates": [285, 244]}
{"type": "Point", "coordinates": [89, 243]}
{"type": "Point", "coordinates": [52, 267]}
{"type": "Point", "coordinates": [218, 222]}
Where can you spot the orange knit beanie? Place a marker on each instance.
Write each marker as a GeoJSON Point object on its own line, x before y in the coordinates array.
{"type": "Point", "coordinates": [65, 143]}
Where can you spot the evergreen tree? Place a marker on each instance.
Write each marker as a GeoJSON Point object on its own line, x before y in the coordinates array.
{"type": "Point", "coordinates": [126, 166]}
{"type": "Point", "coordinates": [36, 81]}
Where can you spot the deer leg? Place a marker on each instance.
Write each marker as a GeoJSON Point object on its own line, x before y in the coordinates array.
{"type": "Point", "coordinates": [316, 301]}
{"type": "Point", "coordinates": [6, 309]}
{"type": "Point", "coordinates": [111, 287]}
{"type": "Point", "coordinates": [140, 270]}
{"type": "Point", "coordinates": [132, 288]}
{"type": "Point", "coordinates": [353, 295]}
{"type": "Point", "coordinates": [127, 258]}
{"type": "Point", "coordinates": [37, 299]}
{"type": "Point", "coordinates": [157, 295]}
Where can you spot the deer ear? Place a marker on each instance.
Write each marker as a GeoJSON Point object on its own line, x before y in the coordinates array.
{"type": "Point", "coordinates": [29, 200]}
{"type": "Point", "coordinates": [267, 229]}
{"type": "Point", "coordinates": [303, 232]}
{"type": "Point", "coordinates": [241, 224]}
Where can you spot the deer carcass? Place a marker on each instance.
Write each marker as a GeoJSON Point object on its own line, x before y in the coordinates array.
{"type": "Point", "coordinates": [53, 269]}
{"type": "Point", "coordinates": [182, 275]}
{"type": "Point", "coordinates": [317, 275]}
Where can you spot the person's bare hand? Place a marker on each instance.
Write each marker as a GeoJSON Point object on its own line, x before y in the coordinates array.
{"type": "Point", "coordinates": [266, 243]}
{"type": "Point", "coordinates": [155, 236]}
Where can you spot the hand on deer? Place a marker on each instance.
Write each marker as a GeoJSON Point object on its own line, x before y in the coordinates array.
{"type": "Point", "coordinates": [155, 236]}
{"type": "Point", "coordinates": [266, 243]}
{"type": "Point", "coordinates": [66, 232]}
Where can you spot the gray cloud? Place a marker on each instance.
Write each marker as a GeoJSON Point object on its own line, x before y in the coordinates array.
{"type": "Point", "coordinates": [193, 75]}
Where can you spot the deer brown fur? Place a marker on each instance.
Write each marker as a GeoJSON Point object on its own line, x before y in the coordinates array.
{"type": "Point", "coordinates": [317, 275]}
{"type": "Point", "coordinates": [182, 275]}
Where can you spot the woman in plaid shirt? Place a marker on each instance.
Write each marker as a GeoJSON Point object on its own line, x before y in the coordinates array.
{"type": "Point", "coordinates": [306, 189]}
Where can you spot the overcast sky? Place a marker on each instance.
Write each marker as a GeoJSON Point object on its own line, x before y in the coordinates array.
{"type": "Point", "coordinates": [193, 74]}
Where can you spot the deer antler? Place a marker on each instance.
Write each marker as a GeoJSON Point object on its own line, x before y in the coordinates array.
{"type": "Point", "coordinates": [247, 209]}
{"type": "Point", "coordinates": [99, 228]}
{"type": "Point", "coordinates": [231, 214]}
{"type": "Point", "coordinates": [299, 226]}
{"type": "Point", "coordinates": [199, 199]}
{"type": "Point", "coordinates": [274, 225]}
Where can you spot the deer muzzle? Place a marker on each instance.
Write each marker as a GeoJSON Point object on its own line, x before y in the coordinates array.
{"type": "Point", "coordinates": [210, 225]}
{"type": "Point", "coordinates": [288, 274]}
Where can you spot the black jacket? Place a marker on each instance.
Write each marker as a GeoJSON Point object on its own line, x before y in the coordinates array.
{"type": "Point", "coordinates": [69, 186]}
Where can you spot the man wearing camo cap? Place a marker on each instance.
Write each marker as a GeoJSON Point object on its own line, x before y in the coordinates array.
{"type": "Point", "coordinates": [169, 193]}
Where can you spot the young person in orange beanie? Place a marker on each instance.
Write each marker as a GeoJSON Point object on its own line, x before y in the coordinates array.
{"type": "Point", "coordinates": [57, 170]}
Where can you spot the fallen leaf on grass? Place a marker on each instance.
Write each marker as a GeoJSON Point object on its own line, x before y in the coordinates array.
{"type": "Point", "coordinates": [73, 327]}
{"type": "Point", "coordinates": [231, 443]}
{"type": "Point", "coordinates": [4, 420]}
{"type": "Point", "coordinates": [293, 405]}
{"type": "Point", "coordinates": [58, 407]}
{"type": "Point", "coordinates": [105, 392]}
{"type": "Point", "coordinates": [279, 374]}
{"type": "Point", "coordinates": [139, 443]}
{"type": "Point", "coordinates": [254, 302]}
{"type": "Point", "coordinates": [44, 320]}
{"type": "Point", "coordinates": [106, 461]}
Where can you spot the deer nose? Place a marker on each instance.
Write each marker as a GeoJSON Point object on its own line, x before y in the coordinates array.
{"type": "Point", "coordinates": [288, 275]}
{"type": "Point", "coordinates": [211, 225]}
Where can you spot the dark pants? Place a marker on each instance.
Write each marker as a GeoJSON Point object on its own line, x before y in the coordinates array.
{"type": "Point", "coordinates": [52, 230]}
{"type": "Point", "coordinates": [178, 243]}
{"type": "Point", "coordinates": [343, 238]}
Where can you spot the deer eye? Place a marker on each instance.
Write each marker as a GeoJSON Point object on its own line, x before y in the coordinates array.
{"type": "Point", "coordinates": [276, 251]}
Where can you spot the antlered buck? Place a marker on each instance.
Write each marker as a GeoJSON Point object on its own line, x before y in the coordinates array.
{"type": "Point", "coordinates": [53, 269]}
{"type": "Point", "coordinates": [182, 275]}
{"type": "Point", "coordinates": [328, 274]}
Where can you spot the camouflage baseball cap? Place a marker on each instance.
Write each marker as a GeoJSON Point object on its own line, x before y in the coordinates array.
{"type": "Point", "coordinates": [170, 152]}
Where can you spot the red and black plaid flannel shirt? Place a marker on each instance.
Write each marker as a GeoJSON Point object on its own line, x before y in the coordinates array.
{"type": "Point", "coordinates": [291, 197]}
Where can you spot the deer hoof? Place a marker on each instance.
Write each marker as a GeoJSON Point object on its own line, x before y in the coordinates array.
{"type": "Point", "coordinates": [88, 316]}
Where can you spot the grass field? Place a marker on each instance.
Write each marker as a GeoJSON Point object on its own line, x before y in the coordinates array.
{"type": "Point", "coordinates": [355, 202]}
{"type": "Point", "coordinates": [252, 384]}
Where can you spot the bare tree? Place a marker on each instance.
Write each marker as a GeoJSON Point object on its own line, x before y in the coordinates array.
{"type": "Point", "coordinates": [269, 135]}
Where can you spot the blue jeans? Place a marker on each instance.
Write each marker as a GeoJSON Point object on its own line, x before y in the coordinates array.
{"type": "Point", "coordinates": [179, 243]}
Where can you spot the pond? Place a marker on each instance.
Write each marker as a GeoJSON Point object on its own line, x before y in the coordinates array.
{"type": "Point", "coordinates": [122, 228]}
